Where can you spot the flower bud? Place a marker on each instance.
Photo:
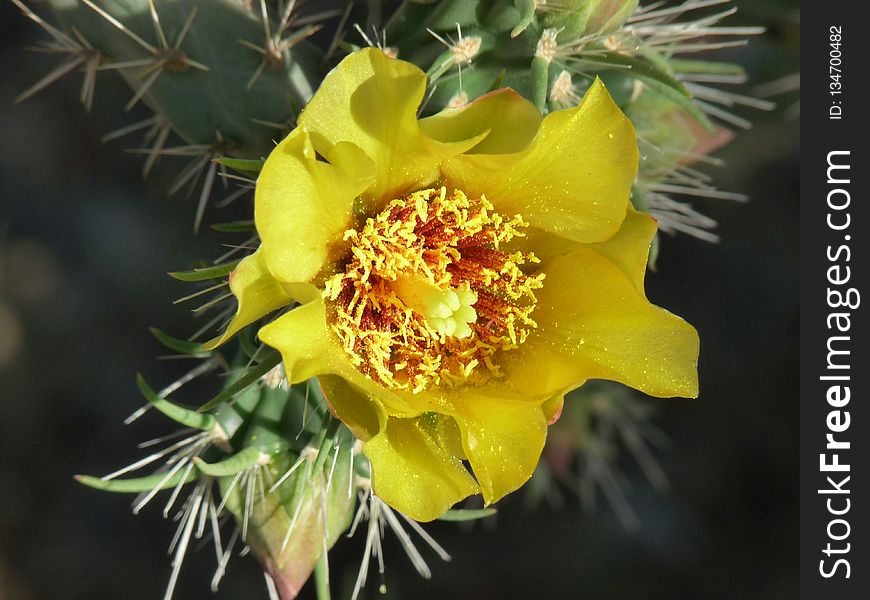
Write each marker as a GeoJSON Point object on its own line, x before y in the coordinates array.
{"type": "Point", "coordinates": [587, 17]}
{"type": "Point", "coordinates": [289, 521]}
{"type": "Point", "coordinates": [665, 124]}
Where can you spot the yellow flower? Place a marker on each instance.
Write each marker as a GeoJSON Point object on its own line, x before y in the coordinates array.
{"type": "Point", "coordinates": [456, 275]}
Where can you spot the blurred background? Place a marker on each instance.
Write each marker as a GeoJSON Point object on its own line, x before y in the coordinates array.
{"type": "Point", "coordinates": [84, 244]}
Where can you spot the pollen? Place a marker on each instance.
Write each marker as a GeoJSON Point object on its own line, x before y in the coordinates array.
{"type": "Point", "coordinates": [431, 292]}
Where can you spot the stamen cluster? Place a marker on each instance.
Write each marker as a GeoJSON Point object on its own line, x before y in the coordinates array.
{"type": "Point", "coordinates": [423, 246]}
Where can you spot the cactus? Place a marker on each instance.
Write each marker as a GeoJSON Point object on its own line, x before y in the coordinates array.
{"type": "Point", "coordinates": [194, 63]}
{"type": "Point", "coordinates": [530, 44]}
{"type": "Point", "coordinates": [273, 456]}
{"type": "Point", "coordinates": [225, 76]}
{"type": "Point", "coordinates": [289, 482]}
{"type": "Point", "coordinates": [552, 50]}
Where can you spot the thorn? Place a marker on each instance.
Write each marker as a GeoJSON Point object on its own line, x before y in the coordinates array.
{"type": "Point", "coordinates": [201, 292]}
{"type": "Point", "coordinates": [285, 18]}
{"type": "Point", "coordinates": [158, 30]}
{"type": "Point", "coordinates": [59, 36]}
{"type": "Point", "coordinates": [204, 195]}
{"type": "Point", "coordinates": [90, 81]}
{"type": "Point", "coordinates": [185, 28]}
{"type": "Point", "coordinates": [339, 32]}
{"type": "Point", "coordinates": [130, 129]}
{"type": "Point", "coordinates": [156, 149]}
{"type": "Point", "coordinates": [123, 28]}
{"type": "Point", "coordinates": [50, 78]}
{"type": "Point", "coordinates": [256, 74]}
{"type": "Point", "coordinates": [144, 88]}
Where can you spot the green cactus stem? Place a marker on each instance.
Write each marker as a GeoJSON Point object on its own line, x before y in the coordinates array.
{"type": "Point", "coordinates": [193, 62]}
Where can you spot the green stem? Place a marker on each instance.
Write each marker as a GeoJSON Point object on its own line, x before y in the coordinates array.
{"type": "Point", "coordinates": [271, 360]}
{"type": "Point", "coordinates": [326, 441]}
{"type": "Point", "coordinates": [321, 577]}
{"type": "Point", "coordinates": [540, 82]}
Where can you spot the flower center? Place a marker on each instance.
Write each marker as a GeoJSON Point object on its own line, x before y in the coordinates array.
{"type": "Point", "coordinates": [428, 295]}
{"type": "Point", "coordinates": [448, 311]}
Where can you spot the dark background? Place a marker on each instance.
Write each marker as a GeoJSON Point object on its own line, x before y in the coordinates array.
{"type": "Point", "coordinates": [83, 243]}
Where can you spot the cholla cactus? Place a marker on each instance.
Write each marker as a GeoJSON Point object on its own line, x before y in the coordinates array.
{"type": "Point", "coordinates": [552, 50]}
{"type": "Point", "coordinates": [288, 473]}
{"type": "Point", "coordinates": [226, 76]}
{"type": "Point", "coordinates": [282, 461]}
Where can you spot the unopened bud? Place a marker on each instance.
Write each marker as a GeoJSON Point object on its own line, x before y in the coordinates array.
{"type": "Point", "coordinates": [290, 514]}
{"type": "Point", "coordinates": [590, 17]}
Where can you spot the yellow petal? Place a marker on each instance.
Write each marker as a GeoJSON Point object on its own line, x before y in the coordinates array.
{"type": "Point", "coordinates": [553, 408]}
{"type": "Point", "coordinates": [449, 436]}
{"type": "Point", "coordinates": [503, 440]}
{"type": "Point", "coordinates": [308, 349]}
{"type": "Point", "coordinates": [257, 293]}
{"type": "Point", "coordinates": [574, 180]}
{"type": "Point", "coordinates": [511, 120]}
{"type": "Point", "coordinates": [303, 206]}
{"type": "Point", "coordinates": [628, 249]}
{"type": "Point", "coordinates": [302, 292]}
{"type": "Point", "coordinates": [303, 340]}
{"type": "Point", "coordinates": [595, 323]}
{"type": "Point", "coordinates": [363, 415]}
{"type": "Point", "coordinates": [413, 473]}
{"type": "Point", "coordinates": [371, 101]}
